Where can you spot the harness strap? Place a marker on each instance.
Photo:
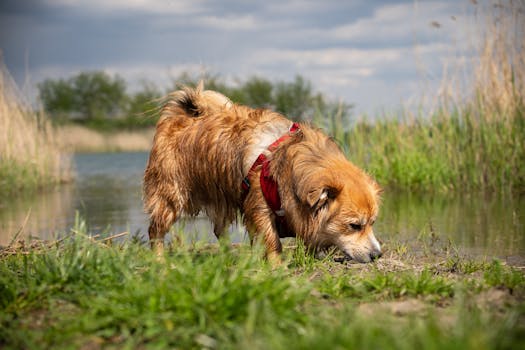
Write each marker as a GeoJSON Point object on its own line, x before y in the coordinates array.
{"type": "Point", "coordinates": [269, 186]}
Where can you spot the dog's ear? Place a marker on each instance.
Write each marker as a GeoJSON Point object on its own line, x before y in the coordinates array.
{"type": "Point", "coordinates": [316, 188]}
{"type": "Point", "coordinates": [318, 197]}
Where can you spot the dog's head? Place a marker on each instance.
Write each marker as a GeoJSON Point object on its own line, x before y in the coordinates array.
{"type": "Point", "coordinates": [342, 202]}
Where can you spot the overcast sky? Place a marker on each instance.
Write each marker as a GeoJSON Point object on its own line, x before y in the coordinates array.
{"type": "Point", "coordinates": [375, 54]}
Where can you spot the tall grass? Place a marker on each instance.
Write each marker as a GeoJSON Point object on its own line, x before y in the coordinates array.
{"type": "Point", "coordinates": [474, 138]}
{"type": "Point", "coordinates": [31, 155]}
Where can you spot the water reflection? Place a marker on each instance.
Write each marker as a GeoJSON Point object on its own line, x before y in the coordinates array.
{"type": "Point", "coordinates": [477, 223]}
{"type": "Point", "coordinates": [40, 215]}
{"type": "Point", "coordinates": [107, 194]}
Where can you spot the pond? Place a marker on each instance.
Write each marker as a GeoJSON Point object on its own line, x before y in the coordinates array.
{"type": "Point", "coordinates": [107, 195]}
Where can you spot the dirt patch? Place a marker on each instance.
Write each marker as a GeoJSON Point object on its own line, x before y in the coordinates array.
{"type": "Point", "coordinates": [516, 261]}
{"type": "Point", "coordinates": [498, 300]}
{"type": "Point", "coordinates": [396, 308]}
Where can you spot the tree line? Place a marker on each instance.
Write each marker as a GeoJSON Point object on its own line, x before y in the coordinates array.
{"type": "Point", "coordinates": [100, 100]}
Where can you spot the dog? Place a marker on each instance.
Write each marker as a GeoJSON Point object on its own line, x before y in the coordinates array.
{"type": "Point", "coordinates": [284, 178]}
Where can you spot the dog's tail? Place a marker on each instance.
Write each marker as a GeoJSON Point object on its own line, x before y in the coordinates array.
{"type": "Point", "coordinates": [195, 102]}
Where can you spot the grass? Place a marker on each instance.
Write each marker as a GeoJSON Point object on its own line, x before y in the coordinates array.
{"type": "Point", "coordinates": [31, 154]}
{"type": "Point", "coordinates": [82, 293]}
{"type": "Point", "coordinates": [448, 153]}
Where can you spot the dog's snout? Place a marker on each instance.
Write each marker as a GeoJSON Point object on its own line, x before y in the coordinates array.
{"type": "Point", "coordinates": [376, 254]}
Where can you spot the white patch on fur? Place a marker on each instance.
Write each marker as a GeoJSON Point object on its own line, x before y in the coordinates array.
{"type": "Point", "coordinates": [263, 136]}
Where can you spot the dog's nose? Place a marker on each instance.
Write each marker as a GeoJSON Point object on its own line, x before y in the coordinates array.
{"type": "Point", "coordinates": [376, 254]}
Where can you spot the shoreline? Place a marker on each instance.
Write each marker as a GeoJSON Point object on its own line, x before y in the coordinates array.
{"type": "Point", "coordinates": [81, 139]}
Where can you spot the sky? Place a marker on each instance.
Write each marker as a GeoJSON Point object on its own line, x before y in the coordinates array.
{"type": "Point", "coordinates": [377, 55]}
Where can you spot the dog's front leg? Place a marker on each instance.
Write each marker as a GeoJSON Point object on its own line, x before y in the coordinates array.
{"type": "Point", "coordinates": [261, 226]}
{"type": "Point", "coordinates": [266, 228]}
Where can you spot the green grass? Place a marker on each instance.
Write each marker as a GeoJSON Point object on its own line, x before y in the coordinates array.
{"type": "Point", "coordinates": [446, 153]}
{"type": "Point", "coordinates": [81, 293]}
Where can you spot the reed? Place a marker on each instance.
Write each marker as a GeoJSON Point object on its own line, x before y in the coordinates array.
{"type": "Point", "coordinates": [83, 139]}
{"type": "Point", "coordinates": [31, 155]}
{"type": "Point", "coordinates": [473, 138]}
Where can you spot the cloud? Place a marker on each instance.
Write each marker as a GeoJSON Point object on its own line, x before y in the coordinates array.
{"type": "Point", "coordinates": [301, 7]}
{"type": "Point", "coordinates": [228, 23]}
{"type": "Point", "coordinates": [406, 21]}
{"type": "Point", "coordinates": [113, 7]}
{"type": "Point", "coordinates": [331, 57]}
{"type": "Point", "coordinates": [371, 53]}
{"type": "Point", "coordinates": [373, 78]}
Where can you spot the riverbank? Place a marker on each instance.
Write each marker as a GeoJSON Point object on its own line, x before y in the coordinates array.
{"type": "Point", "coordinates": [79, 139]}
{"type": "Point", "coordinates": [84, 293]}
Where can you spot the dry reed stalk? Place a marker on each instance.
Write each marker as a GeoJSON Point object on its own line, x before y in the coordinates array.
{"type": "Point", "coordinates": [489, 78]}
{"type": "Point", "coordinates": [28, 142]}
{"type": "Point", "coordinates": [20, 246]}
{"type": "Point", "coordinates": [82, 139]}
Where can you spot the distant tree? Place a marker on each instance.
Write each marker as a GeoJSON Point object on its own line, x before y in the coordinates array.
{"type": "Point", "coordinates": [211, 82]}
{"type": "Point", "coordinates": [333, 116]}
{"type": "Point", "coordinates": [57, 97]}
{"type": "Point", "coordinates": [98, 99]}
{"type": "Point", "coordinates": [294, 99]}
{"type": "Point", "coordinates": [86, 96]}
{"type": "Point", "coordinates": [145, 100]}
{"type": "Point", "coordinates": [142, 107]}
{"type": "Point", "coordinates": [258, 92]}
{"type": "Point", "coordinates": [99, 95]}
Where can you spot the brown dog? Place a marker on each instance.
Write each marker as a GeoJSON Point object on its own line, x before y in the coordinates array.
{"type": "Point", "coordinates": [286, 179]}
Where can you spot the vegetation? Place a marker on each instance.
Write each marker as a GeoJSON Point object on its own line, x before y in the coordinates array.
{"type": "Point", "coordinates": [474, 141]}
{"type": "Point", "coordinates": [91, 95]}
{"type": "Point", "coordinates": [79, 293]}
{"type": "Point", "coordinates": [450, 152]}
{"type": "Point", "coordinates": [95, 99]}
{"type": "Point", "coordinates": [100, 101]}
{"type": "Point", "coordinates": [31, 156]}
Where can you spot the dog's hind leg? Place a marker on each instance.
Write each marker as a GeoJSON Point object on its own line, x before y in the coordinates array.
{"type": "Point", "coordinates": [161, 219]}
{"type": "Point", "coordinates": [219, 229]}
{"type": "Point", "coordinates": [221, 220]}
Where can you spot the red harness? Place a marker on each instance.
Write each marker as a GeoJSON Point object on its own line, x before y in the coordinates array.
{"type": "Point", "coordinates": [269, 187]}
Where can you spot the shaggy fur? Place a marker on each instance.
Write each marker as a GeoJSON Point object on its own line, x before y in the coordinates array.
{"type": "Point", "coordinates": [205, 145]}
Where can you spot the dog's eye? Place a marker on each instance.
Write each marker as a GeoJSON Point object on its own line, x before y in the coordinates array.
{"type": "Point", "coordinates": [356, 227]}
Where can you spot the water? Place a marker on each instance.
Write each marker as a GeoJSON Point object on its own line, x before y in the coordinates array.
{"type": "Point", "coordinates": [107, 194]}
